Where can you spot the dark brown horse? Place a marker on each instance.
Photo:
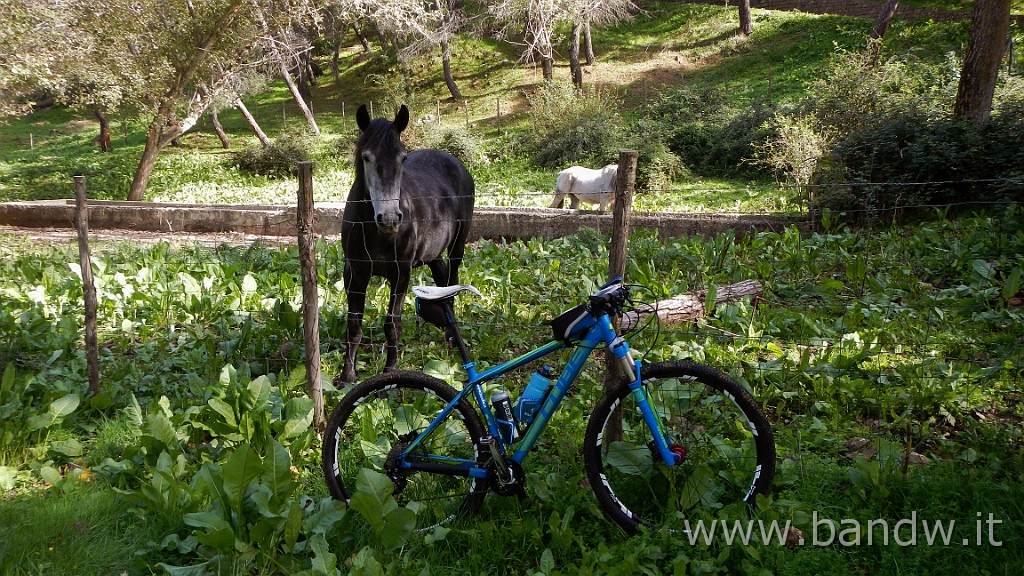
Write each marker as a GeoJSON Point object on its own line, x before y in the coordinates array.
{"type": "Point", "coordinates": [404, 211]}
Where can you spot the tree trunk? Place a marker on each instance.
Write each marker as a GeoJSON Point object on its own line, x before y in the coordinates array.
{"type": "Point", "coordinates": [253, 123]}
{"type": "Point", "coordinates": [297, 96]}
{"type": "Point", "coordinates": [154, 144]}
{"type": "Point", "coordinates": [574, 56]}
{"type": "Point", "coordinates": [446, 64]}
{"type": "Point", "coordinates": [884, 18]}
{"type": "Point", "coordinates": [588, 44]}
{"type": "Point", "coordinates": [691, 306]}
{"type": "Point", "coordinates": [104, 137]}
{"type": "Point", "coordinates": [989, 26]}
{"type": "Point", "coordinates": [746, 21]}
{"type": "Point", "coordinates": [362, 37]}
{"type": "Point", "coordinates": [219, 129]}
{"type": "Point", "coordinates": [547, 66]}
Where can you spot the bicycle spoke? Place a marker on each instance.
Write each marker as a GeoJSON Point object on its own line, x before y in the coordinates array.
{"type": "Point", "coordinates": [375, 424]}
{"type": "Point", "coordinates": [725, 445]}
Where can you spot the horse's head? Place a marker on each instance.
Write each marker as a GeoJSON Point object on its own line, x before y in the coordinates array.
{"type": "Point", "coordinates": [380, 154]}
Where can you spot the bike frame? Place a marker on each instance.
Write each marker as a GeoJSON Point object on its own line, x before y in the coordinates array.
{"type": "Point", "coordinates": [600, 333]}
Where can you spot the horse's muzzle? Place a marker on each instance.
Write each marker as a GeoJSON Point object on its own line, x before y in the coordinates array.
{"type": "Point", "coordinates": [387, 224]}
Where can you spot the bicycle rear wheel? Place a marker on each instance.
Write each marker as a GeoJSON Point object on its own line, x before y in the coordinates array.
{"type": "Point", "coordinates": [723, 436]}
{"type": "Point", "coordinates": [378, 419]}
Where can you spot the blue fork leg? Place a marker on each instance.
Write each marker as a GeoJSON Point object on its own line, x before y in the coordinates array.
{"type": "Point", "coordinates": [653, 422]}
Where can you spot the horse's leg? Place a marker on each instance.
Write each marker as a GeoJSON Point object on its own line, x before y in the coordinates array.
{"type": "Point", "coordinates": [559, 200]}
{"type": "Point", "coordinates": [442, 273]}
{"type": "Point", "coordinates": [448, 274]}
{"type": "Point", "coordinates": [355, 293]}
{"type": "Point", "coordinates": [574, 201]}
{"type": "Point", "coordinates": [393, 322]}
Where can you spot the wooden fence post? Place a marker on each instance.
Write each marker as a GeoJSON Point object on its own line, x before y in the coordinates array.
{"type": "Point", "coordinates": [310, 306]}
{"type": "Point", "coordinates": [88, 287]}
{"type": "Point", "coordinates": [625, 182]}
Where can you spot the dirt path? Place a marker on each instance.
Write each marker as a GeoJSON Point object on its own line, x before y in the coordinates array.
{"type": "Point", "coordinates": [857, 8]}
{"type": "Point", "coordinates": [64, 236]}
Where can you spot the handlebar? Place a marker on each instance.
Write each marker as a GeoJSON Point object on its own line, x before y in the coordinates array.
{"type": "Point", "coordinates": [610, 298]}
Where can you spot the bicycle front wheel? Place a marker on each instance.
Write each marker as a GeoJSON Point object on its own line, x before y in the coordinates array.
{"type": "Point", "coordinates": [723, 437]}
{"type": "Point", "coordinates": [375, 422]}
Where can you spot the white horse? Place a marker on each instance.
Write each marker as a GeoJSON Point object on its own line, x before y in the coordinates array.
{"type": "Point", "coordinates": [586, 185]}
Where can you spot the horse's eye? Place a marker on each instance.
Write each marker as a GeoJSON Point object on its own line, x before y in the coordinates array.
{"type": "Point", "coordinates": [367, 157]}
{"type": "Point", "coordinates": [402, 159]}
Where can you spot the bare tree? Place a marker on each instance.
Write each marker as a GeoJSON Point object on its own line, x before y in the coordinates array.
{"type": "Point", "coordinates": [583, 13]}
{"type": "Point", "coordinates": [530, 23]}
{"type": "Point", "coordinates": [990, 25]}
{"type": "Point", "coordinates": [287, 43]}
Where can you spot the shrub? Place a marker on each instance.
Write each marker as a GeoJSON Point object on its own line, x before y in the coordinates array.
{"type": "Point", "coordinates": [795, 150]}
{"type": "Point", "coordinates": [280, 158]}
{"type": "Point", "coordinates": [456, 140]}
{"type": "Point", "coordinates": [574, 127]}
{"type": "Point", "coordinates": [657, 166]}
{"type": "Point", "coordinates": [895, 145]}
{"type": "Point", "coordinates": [706, 134]}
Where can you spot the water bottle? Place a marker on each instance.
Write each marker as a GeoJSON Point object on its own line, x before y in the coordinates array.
{"type": "Point", "coordinates": [503, 415]}
{"type": "Point", "coordinates": [534, 395]}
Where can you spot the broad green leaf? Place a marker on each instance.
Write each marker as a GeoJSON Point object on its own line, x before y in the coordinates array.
{"type": "Point", "coordinates": [101, 401]}
{"type": "Point", "coordinates": [257, 393]}
{"type": "Point", "coordinates": [277, 473]}
{"type": "Point", "coordinates": [328, 513]}
{"type": "Point", "coordinates": [64, 405]}
{"type": "Point", "coordinates": [217, 532]}
{"type": "Point", "coordinates": [9, 477]}
{"type": "Point", "coordinates": [366, 564]}
{"type": "Point", "coordinates": [249, 284]}
{"type": "Point", "coordinates": [50, 475]}
{"type": "Point", "coordinates": [7, 384]}
{"type": "Point", "coordinates": [241, 468]}
{"type": "Point", "coordinates": [698, 488]}
{"type": "Point", "coordinates": [197, 570]}
{"type": "Point", "coordinates": [298, 416]}
{"type": "Point", "coordinates": [547, 561]}
{"type": "Point", "coordinates": [293, 524]}
{"type": "Point", "coordinates": [191, 285]}
{"type": "Point", "coordinates": [398, 525]}
{"type": "Point", "coordinates": [1012, 284]}
{"type": "Point", "coordinates": [324, 561]}
{"type": "Point", "coordinates": [133, 411]}
{"type": "Point", "coordinates": [227, 375]}
{"type": "Point", "coordinates": [226, 411]}
{"type": "Point", "coordinates": [370, 508]}
{"type": "Point", "coordinates": [630, 459]}
{"type": "Point", "coordinates": [159, 426]}
{"type": "Point", "coordinates": [710, 299]}
{"type": "Point", "coordinates": [440, 534]}
{"type": "Point", "coordinates": [71, 448]}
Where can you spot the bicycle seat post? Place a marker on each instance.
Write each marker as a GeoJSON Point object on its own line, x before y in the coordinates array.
{"type": "Point", "coordinates": [455, 334]}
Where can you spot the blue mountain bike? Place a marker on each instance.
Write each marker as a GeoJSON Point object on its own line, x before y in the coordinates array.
{"type": "Point", "coordinates": [669, 439]}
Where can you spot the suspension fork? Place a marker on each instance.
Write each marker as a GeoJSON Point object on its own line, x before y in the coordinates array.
{"type": "Point", "coordinates": [650, 415]}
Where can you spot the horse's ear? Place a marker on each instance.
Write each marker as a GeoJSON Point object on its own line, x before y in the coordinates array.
{"type": "Point", "coordinates": [363, 118]}
{"type": "Point", "coordinates": [401, 119]}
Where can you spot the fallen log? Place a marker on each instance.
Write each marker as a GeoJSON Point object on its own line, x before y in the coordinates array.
{"type": "Point", "coordinates": [691, 305]}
